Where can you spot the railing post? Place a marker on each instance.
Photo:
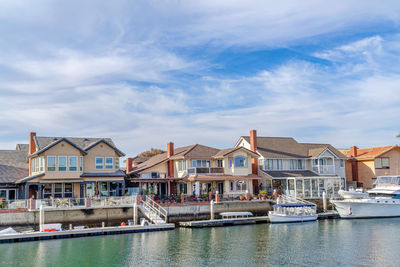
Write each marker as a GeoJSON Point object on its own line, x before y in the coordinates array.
{"type": "Point", "coordinates": [135, 218]}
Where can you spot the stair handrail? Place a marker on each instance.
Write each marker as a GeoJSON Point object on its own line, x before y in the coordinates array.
{"type": "Point", "coordinates": [153, 206]}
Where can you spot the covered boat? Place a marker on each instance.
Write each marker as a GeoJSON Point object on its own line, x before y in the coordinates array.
{"type": "Point", "coordinates": [293, 212]}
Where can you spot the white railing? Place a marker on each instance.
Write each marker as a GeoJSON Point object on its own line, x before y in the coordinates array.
{"type": "Point", "coordinates": [13, 204]}
{"type": "Point", "coordinates": [285, 199]}
{"type": "Point", "coordinates": [154, 211]}
{"type": "Point", "coordinates": [70, 203]}
{"type": "Point", "coordinates": [324, 169]}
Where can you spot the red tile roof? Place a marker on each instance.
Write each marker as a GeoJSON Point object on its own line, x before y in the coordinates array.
{"type": "Point", "coordinates": [369, 153]}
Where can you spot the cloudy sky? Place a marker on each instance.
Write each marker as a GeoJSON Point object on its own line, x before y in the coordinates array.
{"type": "Point", "coordinates": [149, 72]}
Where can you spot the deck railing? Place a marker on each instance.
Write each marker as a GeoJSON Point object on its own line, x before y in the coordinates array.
{"type": "Point", "coordinates": [206, 170]}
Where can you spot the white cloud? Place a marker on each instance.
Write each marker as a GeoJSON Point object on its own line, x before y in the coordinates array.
{"type": "Point", "coordinates": [122, 70]}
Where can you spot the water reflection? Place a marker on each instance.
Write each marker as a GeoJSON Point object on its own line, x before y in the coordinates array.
{"type": "Point", "coordinates": [327, 243]}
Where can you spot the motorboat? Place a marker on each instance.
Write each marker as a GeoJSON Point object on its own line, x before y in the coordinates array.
{"type": "Point", "coordinates": [353, 193]}
{"type": "Point", "coordinates": [383, 200]}
{"type": "Point", "coordinates": [289, 209]}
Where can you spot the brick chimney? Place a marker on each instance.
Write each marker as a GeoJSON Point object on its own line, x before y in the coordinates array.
{"type": "Point", "coordinates": [129, 162]}
{"type": "Point", "coordinates": [32, 144]}
{"type": "Point", "coordinates": [353, 151]}
{"type": "Point", "coordinates": [32, 149]}
{"type": "Point", "coordinates": [253, 147]}
{"type": "Point", "coordinates": [170, 153]}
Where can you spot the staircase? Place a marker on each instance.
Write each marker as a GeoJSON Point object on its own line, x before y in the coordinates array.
{"type": "Point", "coordinates": [153, 211]}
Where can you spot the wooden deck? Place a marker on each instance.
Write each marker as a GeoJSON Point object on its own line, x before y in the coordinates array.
{"type": "Point", "coordinates": [84, 232]}
{"type": "Point", "coordinates": [225, 222]}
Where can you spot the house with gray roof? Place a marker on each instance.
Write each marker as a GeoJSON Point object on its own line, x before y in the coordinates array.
{"type": "Point", "coordinates": [71, 167]}
{"type": "Point", "coordinates": [304, 170]}
{"type": "Point", "coordinates": [194, 170]}
{"type": "Point", "coordinates": [13, 166]}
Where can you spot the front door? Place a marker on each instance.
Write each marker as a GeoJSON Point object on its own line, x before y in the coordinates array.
{"type": "Point", "coordinates": [220, 188]}
{"type": "Point", "coordinates": [33, 191]}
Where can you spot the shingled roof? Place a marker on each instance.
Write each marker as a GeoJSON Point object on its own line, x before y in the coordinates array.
{"type": "Point", "coordinates": [196, 151]}
{"type": "Point", "coordinates": [13, 165]}
{"type": "Point", "coordinates": [82, 143]}
{"type": "Point", "coordinates": [288, 147]}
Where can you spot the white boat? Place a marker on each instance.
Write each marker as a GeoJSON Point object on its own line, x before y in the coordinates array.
{"type": "Point", "coordinates": [382, 201]}
{"type": "Point", "coordinates": [292, 209]}
{"type": "Point", "coordinates": [352, 193]}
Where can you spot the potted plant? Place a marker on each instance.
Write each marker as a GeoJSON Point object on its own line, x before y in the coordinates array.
{"type": "Point", "coordinates": [263, 194]}
{"type": "Point", "coordinates": [241, 197]}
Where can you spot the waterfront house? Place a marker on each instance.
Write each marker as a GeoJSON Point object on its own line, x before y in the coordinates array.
{"type": "Point", "coordinates": [13, 166]}
{"type": "Point", "coordinates": [66, 167]}
{"type": "Point", "coordinates": [304, 170]}
{"type": "Point", "coordinates": [194, 170]}
{"type": "Point", "coordinates": [365, 164]}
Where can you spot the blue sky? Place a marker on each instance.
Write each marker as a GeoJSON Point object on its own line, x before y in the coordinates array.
{"type": "Point", "coordinates": [149, 72]}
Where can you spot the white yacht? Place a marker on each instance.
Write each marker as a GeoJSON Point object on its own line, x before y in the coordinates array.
{"type": "Point", "coordinates": [383, 200]}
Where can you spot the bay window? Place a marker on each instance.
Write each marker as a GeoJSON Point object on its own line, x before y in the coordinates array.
{"type": "Point", "coordinates": [240, 162]}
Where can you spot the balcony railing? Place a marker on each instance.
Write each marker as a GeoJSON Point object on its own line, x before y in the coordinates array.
{"type": "Point", "coordinates": [205, 170]}
{"type": "Point", "coordinates": [324, 169]}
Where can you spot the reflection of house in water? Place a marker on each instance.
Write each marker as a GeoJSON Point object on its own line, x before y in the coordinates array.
{"type": "Point", "coordinates": [301, 169]}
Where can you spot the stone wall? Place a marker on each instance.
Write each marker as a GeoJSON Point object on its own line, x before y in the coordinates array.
{"type": "Point", "coordinates": [114, 216]}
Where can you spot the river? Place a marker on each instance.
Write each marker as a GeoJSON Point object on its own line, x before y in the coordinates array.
{"type": "Point", "coordinates": [324, 243]}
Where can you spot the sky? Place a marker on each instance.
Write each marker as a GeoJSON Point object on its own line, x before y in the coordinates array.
{"type": "Point", "coordinates": [148, 72]}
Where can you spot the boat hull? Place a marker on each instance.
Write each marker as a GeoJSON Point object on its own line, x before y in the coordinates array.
{"type": "Point", "coordinates": [367, 208]}
{"type": "Point", "coordinates": [275, 218]}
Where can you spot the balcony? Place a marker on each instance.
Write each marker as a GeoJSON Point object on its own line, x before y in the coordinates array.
{"type": "Point", "coordinates": [324, 169]}
{"type": "Point", "coordinates": [204, 170]}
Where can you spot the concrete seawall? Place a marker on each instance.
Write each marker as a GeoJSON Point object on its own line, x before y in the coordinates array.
{"type": "Point", "coordinates": [114, 215]}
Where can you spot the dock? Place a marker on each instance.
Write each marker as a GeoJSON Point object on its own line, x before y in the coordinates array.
{"type": "Point", "coordinates": [225, 222]}
{"type": "Point", "coordinates": [35, 236]}
{"type": "Point", "coordinates": [328, 215]}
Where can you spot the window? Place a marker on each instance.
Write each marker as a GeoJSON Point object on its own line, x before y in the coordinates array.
{"type": "Point", "coordinates": [73, 162]}
{"type": "Point", "coordinates": [62, 163]}
{"type": "Point", "coordinates": [201, 163]}
{"type": "Point", "coordinates": [68, 190]}
{"type": "Point", "coordinates": [273, 164]}
{"type": "Point", "coordinates": [145, 175]}
{"type": "Point", "coordinates": [220, 163]}
{"type": "Point", "coordinates": [182, 189]}
{"type": "Point", "coordinates": [297, 164]}
{"type": "Point", "coordinates": [58, 190]}
{"type": "Point", "coordinates": [99, 163]}
{"type": "Point", "coordinates": [116, 163]}
{"type": "Point", "coordinates": [41, 164]}
{"type": "Point", "coordinates": [230, 162]}
{"type": "Point", "coordinates": [51, 163]}
{"type": "Point", "coordinates": [238, 186]}
{"type": "Point", "coordinates": [81, 163]}
{"type": "Point", "coordinates": [182, 165]}
{"type": "Point", "coordinates": [240, 162]}
{"type": "Point", "coordinates": [47, 190]}
{"type": "Point", "coordinates": [342, 163]}
{"type": "Point", "coordinates": [154, 175]}
{"type": "Point", "coordinates": [382, 163]}
{"type": "Point", "coordinates": [103, 188]}
{"type": "Point", "coordinates": [35, 165]}
{"type": "Point", "coordinates": [109, 163]}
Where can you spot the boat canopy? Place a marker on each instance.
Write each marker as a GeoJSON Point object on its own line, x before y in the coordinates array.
{"type": "Point", "coordinates": [294, 205]}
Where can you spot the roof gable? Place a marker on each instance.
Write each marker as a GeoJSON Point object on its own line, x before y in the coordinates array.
{"type": "Point", "coordinates": [107, 143]}
{"type": "Point", "coordinates": [371, 152]}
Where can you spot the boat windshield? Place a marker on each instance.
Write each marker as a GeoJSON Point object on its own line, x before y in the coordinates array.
{"type": "Point", "coordinates": [387, 180]}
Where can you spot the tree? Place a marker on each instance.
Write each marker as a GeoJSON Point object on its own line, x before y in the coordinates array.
{"type": "Point", "coordinates": [398, 135]}
{"type": "Point", "coordinates": [150, 153]}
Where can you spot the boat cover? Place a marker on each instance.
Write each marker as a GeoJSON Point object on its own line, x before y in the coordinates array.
{"type": "Point", "coordinates": [295, 205]}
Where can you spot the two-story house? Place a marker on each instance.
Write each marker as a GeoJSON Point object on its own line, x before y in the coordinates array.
{"type": "Point", "coordinates": [300, 169]}
{"type": "Point", "coordinates": [195, 170]}
{"type": "Point", "coordinates": [66, 167]}
{"type": "Point", "coordinates": [365, 164]}
{"type": "Point", "coordinates": [13, 166]}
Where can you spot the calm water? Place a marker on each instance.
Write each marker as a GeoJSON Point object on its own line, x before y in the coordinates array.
{"type": "Point", "coordinates": [324, 243]}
